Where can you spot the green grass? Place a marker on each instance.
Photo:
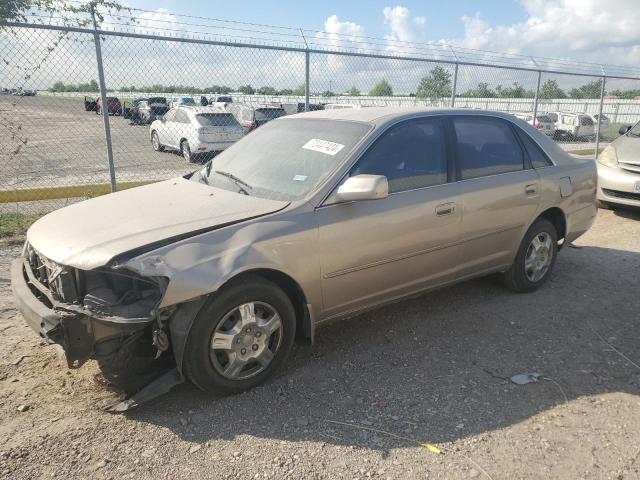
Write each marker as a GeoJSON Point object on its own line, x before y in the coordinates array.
{"type": "Point", "coordinates": [13, 226]}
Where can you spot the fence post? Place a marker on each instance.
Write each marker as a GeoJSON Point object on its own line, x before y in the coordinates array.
{"type": "Point", "coordinates": [306, 81]}
{"type": "Point", "coordinates": [535, 99]}
{"type": "Point", "coordinates": [455, 86]}
{"type": "Point", "coordinates": [103, 99]}
{"type": "Point", "coordinates": [604, 80]}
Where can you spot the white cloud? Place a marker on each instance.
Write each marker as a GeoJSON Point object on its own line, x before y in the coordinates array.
{"type": "Point", "coordinates": [402, 26]}
{"type": "Point", "coordinates": [583, 30]}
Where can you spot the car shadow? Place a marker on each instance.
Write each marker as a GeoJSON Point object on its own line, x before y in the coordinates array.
{"type": "Point", "coordinates": [436, 368]}
{"type": "Point", "coordinates": [627, 212]}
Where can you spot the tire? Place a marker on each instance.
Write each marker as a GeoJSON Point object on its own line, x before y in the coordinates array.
{"type": "Point", "coordinates": [186, 151]}
{"type": "Point", "coordinates": [521, 279]}
{"type": "Point", "coordinates": [205, 367]}
{"type": "Point", "coordinates": [155, 142]}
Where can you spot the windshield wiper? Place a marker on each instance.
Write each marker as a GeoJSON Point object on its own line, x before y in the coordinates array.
{"type": "Point", "coordinates": [238, 181]}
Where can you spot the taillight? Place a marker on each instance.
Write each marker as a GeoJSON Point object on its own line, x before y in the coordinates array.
{"type": "Point", "coordinates": [250, 125]}
{"type": "Point", "coordinates": [537, 125]}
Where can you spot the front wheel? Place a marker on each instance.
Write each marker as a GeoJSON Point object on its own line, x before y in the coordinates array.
{"type": "Point", "coordinates": [240, 337]}
{"type": "Point", "coordinates": [155, 142]}
{"type": "Point", "coordinates": [535, 258]}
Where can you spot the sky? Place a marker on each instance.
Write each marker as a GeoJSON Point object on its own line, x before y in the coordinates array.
{"type": "Point", "coordinates": [601, 31]}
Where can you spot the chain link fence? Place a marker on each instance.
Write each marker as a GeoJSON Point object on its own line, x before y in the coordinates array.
{"type": "Point", "coordinates": [85, 111]}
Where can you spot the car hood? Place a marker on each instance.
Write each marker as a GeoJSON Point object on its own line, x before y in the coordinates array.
{"type": "Point", "coordinates": [89, 234]}
{"type": "Point", "coordinates": [627, 149]}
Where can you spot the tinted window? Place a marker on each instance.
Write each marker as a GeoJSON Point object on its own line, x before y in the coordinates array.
{"type": "Point", "coordinates": [586, 121]}
{"type": "Point", "coordinates": [411, 155]}
{"type": "Point", "coordinates": [216, 119]}
{"type": "Point", "coordinates": [182, 117]}
{"type": "Point", "coordinates": [553, 116]}
{"type": "Point", "coordinates": [486, 146]}
{"type": "Point", "coordinates": [544, 118]}
{"type": "Point", "coordinates": [157, 100]}
{"type": "Point", "coordinates": [538, 158]}
{"type": "Point", "coordinates": [169, 116]}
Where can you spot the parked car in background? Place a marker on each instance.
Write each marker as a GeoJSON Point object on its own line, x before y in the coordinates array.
{"type": "Point", "coordinates": [182, 101]}
{"type": "Point", "coordinates": [220, 99]}
{"type": "Point", "coordinates": [573, 125]}
{"type": "Point", "coordinates": [253, 116]}
{"type": "Point", "coordinates": [151, 109]}
{"type": "Point", "coordinates": [619, 170]}
{"type": "Point", "coordinates": [543, 122]}
{"type": "Point", "coordinates": [131, 111]}
{"type": "Point", "coordinates": [604, 124]}
{"type": "Point", "coordinates": [114, 107]}
{"type": "Point", "coordinates": [90, 105]}
{"type": "Point", "coordinates": [339, 106]}
{"type": "Point", "coordinates": [195, 131]}
{"type": "Point", "coordinates": [310, 219]}
{"type": "Point", "coordinates": [297, 107]}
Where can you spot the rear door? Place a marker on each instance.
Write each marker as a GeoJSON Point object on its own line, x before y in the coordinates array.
{"type": "Point", "coordinates": [374, 251]}
{"type": "Point", "coordinates": [162, 127]}
{"type": "Point", "coordinates": [499, 191]}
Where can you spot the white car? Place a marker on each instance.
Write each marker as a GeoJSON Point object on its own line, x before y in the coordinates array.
{"type": "Point", "coordinates": [543, 122]}
{"type": "Point", "coordinates": [573, 125]}
{"type": "Point", "coordinates": [194, 131]}
{"type": "Point", "coordinates": [339, 106]}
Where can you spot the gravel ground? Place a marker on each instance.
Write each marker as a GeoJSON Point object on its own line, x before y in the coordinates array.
{"type": "Point", "coordinates": [432, 369]}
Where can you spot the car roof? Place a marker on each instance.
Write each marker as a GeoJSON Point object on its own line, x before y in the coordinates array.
{"type": "Point", "coordinates": [382, 115]}
{"type": "Point", "coordinates": [202, 109]}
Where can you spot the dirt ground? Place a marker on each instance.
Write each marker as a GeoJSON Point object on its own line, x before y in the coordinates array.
{"type": "Point", "coordinates": [433, 369]}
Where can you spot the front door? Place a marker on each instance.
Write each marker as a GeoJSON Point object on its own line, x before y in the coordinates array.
{"type": "Point", "coordinates": [378, 250]}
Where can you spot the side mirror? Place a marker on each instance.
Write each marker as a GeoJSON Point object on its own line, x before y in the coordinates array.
{"type": "Point", "coordinates": [363, 187]}
{"type": "Point", "coordinates": [624, 129]}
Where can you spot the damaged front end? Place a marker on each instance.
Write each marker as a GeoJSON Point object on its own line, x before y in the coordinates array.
{"type": "Point", "coordinates": [107, 314]}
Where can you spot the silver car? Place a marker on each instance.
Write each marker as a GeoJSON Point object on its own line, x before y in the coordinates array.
{"type": "Point", "coordinates": [619, 170]}
{"type": "Point", "coordinates": [312, 218]}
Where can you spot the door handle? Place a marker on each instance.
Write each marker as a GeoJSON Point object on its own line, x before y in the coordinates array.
{"type": "Point", "coordinates": [531, 189]}
{"type": "Point", "coordinates": [445, 209]}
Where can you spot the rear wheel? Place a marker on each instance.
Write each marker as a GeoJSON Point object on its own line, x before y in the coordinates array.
{"type": "Point", "coordinates": [186, 151]}
{"type": "Point", "coordinates": [240, 337]}
{"type": "Point", "coordinates": [535, 258]}
{"type": "Point", "coordinates": [155, 142]}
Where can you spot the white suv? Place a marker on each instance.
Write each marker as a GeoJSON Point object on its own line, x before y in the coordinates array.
{"type": "Point", "coordinates": [195, 131]}
{"type": "Point", "coordinates": [574, 125]}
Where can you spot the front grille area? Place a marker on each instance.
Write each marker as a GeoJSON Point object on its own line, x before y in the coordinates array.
{"type": "Point", "coordinates": [58, 280]}
{"type": "Point", "coordinates": [619, 194]}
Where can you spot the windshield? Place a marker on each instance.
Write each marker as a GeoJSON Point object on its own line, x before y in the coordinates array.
{"type": "Point", "coordinates": [186, 101]}
{"type": "Point", "coordinates": [217, 120]}
{"type": "Point", "coordinates": [635, 130]}
{"type": "Point", "coordinates": [269, 113]}
{"type": "Point", "coordinates": [283, 160]}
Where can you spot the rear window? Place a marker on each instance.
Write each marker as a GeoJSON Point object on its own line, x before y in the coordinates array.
{"type": "Point", "coordinates": [157, 100]}
{"type": "Point", "coordinates": [584, 120]}
{"type": "Point", "coordinates": [216, 120]}
{"type": "Point", "coordinates": [224, 99]}
{"type": "Point", "coordinates": [269, 113]}
{"type": "Point", "coordinates": [186, 101]}
{"type": "Point", "coordinates": [544, 118]}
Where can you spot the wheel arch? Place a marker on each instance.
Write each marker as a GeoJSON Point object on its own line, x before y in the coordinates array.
{"type": "Point", "coordinates": [558, 219]}
{"type": "Point", "coordinates": [304, 320]}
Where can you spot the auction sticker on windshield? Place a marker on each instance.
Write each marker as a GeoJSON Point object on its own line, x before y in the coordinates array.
{"type": "Point", "coordinates": [323, 146]}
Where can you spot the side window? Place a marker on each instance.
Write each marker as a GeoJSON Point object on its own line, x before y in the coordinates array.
{"type": "Point", "coordinates": [538, 158]}
{"type": "Point", "coordinates": [182, 117]}
{"type": "Point", "coordinates": [411, 155]}
{"type": "Point", "coordinates": [486, 146]}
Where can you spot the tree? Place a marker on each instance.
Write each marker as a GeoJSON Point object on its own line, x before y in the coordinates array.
{"type": "Point", "coordinates": [550, 89]}
{"type": "Point", "coordinates": [285, 91]}
{"type": "Point", "coordinates": [590, 90]}
{"type": "Point", "coordinates": [266, 91]}
{"type": "Point", "coordinates": [299, 90]}
{"type": "Point", "coordinates": [352, 92]}
{"type": "Point", "coordinates": [328, 93]}
{"type": "Point", "coordinates": [437, 84]}
{"type": "Point", "coordinates": [382, 89]}
{"type": "Point", "coordinates": [246, 89]}
{"type": "Point", "coordinates": [481, 91]}
{"type": "Point", "coordinates": [515, 91]}
{"type": "Point", "coordinates": [625, 94]}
